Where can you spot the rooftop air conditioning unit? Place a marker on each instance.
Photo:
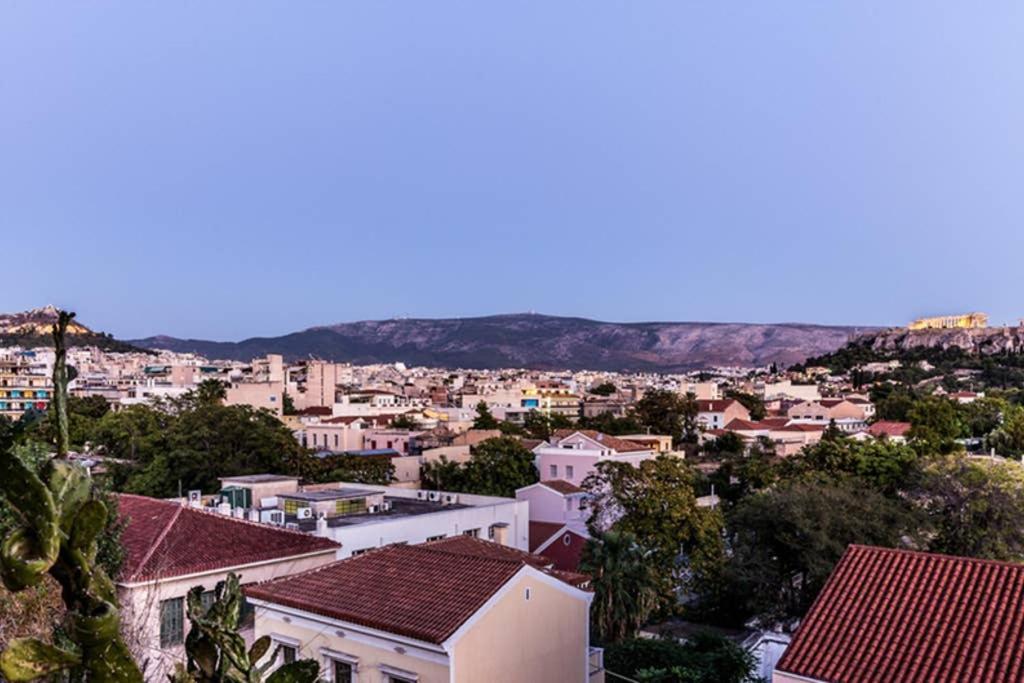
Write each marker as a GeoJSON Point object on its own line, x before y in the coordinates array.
{"type": "Point", "coordinates": [421, 495]}
{"type": "Point", "coordinates": [434, 496]}
{"type": "Point", "coordinates": [385, 506]}
{"type": "Point", "coordinates": [305, 513]}
{"type": "Point", "coordinates": [450, 499]}
{"type": "Point", "coordinates": [195, 498]}
{"type": "Point", "coordinates": [372, 509]}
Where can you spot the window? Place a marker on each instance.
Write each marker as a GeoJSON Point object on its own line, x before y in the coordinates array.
{"type": "Point", "coordinates": [335, 440]}
{"type": "Point", "coordinates": [172, 622]}
{"type": "Point", "coordinates": [350, 507]}
{"type": "Point", "coordinates": [435, 538]}
{"type": "Point", "coordinates": [342, 672]}
{"type": "Point", "coordinates": [568, 472]}
{"type": "Point", "coordinates": [400, 679]}
{"type": "Point", "coordinates": [285, 654]}
{"type": "Point", "coordinates": [474, 533]}
{"type": "Point", "coordinates": [291, 507]}
{"type": "Point", "coordinates": [553, 470]}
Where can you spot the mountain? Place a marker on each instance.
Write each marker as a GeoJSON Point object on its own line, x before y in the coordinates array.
{"type": "Point", "coordinates": [31, 329]}
{"type": "Point", "coordinates": [537, 341]}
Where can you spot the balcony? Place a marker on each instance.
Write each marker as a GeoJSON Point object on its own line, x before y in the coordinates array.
{"type": "Point", "coordinates": [596, 665]}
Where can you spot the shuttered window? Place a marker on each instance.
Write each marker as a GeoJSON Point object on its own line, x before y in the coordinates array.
{"type": "Point", "coordinates": [172, 622]}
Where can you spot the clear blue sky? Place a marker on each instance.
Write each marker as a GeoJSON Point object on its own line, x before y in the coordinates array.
{"type": "Point", "coordinates": [228, 169]}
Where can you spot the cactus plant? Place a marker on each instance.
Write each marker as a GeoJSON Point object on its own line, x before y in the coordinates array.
{"type": "Point", "coordinates": [217, 653]}
{"type": "Point", "coordinates": [59, 520]}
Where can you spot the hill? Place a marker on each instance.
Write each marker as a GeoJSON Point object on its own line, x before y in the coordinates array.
{"type": "Point", "coordinates": [31, 329]}
{"type": "Point", "coordinates": [537, 341]}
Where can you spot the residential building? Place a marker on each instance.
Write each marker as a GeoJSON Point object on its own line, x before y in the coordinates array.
{"type": "Point", "coordinates": [361, 517]}
{"type": "Point", "coordinates": [572, 455]}
{"type": "Point", "coordinates": [898, 615]}
{"type": "Point", "coordinates": [716, 414]}
{"type": "Point", "coordinates": [170, 547]}
{"type": "Point", "coordinates": [23, 387]}
{"type": "Point", "coordinates": [457, 610]}
{"type": "Point", "coordinates": [848, 415]}
{"type": "Point", "coordinates": [267, 395]}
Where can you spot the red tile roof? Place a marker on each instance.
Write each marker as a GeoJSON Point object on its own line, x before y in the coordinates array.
{"type": "Point", "coordinates": [884, 428]}
{"type": "Point", "coordinates": [541, 532]}
{"type": "Point", "coordinates": [895, 615]}
{"type": "Point", "coordinates": [164, 539]}
{"type": "Point", "coordinates": [424, 592]}
{"type": "Point", "coordinates": [562, 486]}
{"type": "Point", "coordinates": [715, 405]}
{"type": "Point", "coordinates": [613, 442]}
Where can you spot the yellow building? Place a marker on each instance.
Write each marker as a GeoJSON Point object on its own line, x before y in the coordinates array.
{"type": "Point", "coordinates": [22, 388]}
{"type": "Point", "coordinates": [966, 321]}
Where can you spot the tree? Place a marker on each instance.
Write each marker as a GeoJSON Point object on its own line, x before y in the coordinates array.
{"type": "Point", "coordinates": [496, 467]}
{"type": "Point", "coordinates": [975, 508]}
{"type": "Point", "coordinates": [786, 540]}
{"type": "Point", "coordinates": [499, 466]}
{"type": "Point", "coordinates": [704, 658]}
{"type": "Point", "coordinates": [884, 465]}
{"type": "Point", "coordinates": [405, 421]}
{"type": "Point", "coordinates": [136, 433]}
{"type": "Point", "coordinates": [608, 423]}
{"type": "Point", "coordinates": [983, 416]}
{"type": "Point", "coordinates": [655, 502]}
{"type": "Point", "coordinates": [603, 389]}
{"type": "Point", "coordinates": [892, 402]}
{"type": "Point", "coordinates": [666, 412]}
{"type": "Point", "coordinates": [741, 474]}
{"type": "Point", "coordinates": [935, 424]}
{"type": "Point", "coordinates": [625, 582]}
{"type": "Point", "coordinates": [484, 418]}
{"type": "Point", "coordinates": [288, 405]}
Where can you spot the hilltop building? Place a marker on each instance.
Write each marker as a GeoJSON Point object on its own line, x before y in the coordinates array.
{"type": "Point", "coordinates": [966, 321]}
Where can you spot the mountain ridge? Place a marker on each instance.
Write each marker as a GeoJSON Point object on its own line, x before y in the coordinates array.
{"type": "Point", "coordinates": [537, 341]}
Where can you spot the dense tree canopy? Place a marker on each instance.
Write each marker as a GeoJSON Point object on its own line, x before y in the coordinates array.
{"type": "Point", "coordinates": [667, 412]}
{"type": "Point", "coordinates": [496, 467]}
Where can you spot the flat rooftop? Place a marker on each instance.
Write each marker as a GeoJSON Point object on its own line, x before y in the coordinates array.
{"type": "Point", "coordinates": [329, 494]}
{"type": "Point", "coordinates": [259, 478]}
{"type": "Point", "coordinates": [400, 507]}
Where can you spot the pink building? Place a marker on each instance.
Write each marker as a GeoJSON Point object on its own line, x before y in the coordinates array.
{"type": "Point", "coordinates": [572, 455]}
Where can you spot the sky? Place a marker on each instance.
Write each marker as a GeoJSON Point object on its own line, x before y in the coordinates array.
{"type": "Point", "coordinates": [231, 169]}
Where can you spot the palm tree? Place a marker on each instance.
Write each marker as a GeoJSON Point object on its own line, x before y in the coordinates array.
{"type": "Point", "coordinates": [625, 582]}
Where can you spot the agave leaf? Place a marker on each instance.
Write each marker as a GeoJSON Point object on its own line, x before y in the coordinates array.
{"type": "Point", "coordinates": [87, 525]}
{"type": "Point", "coordinates": [259, 649]}
{"type": "Point", "coordinates": [27, 659]}
{"type": "Point", "coordinates": [24, 560]}
{"type": "Point", "coordinates": [69, 483]}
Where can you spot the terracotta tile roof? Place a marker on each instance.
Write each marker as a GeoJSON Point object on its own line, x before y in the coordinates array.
{"type": "Point", "coordinates": [887, 428]}
{"type": "Point", "coordinates": [738, 425]}
{"type": "Point", "coordinates": [475, 547]}
{"type": "Point", "coordinates": [424, 592]}
{"type": "Point", "coordinates": [540, 532]}
{"type": "Point", "coordinates": [895, 615]}
{"type": "Point", "coordinates": [562, 486]}
{"type": "Point", "coordinates": [164, 539]}
{"type": "Point", "coordinates": [803, 427]}
{"type": "Point", "coordinates": [717, 405]}
{"type": "Point", "coordinates": [613, 442]}
{"type": "Point", "coordinates": [315, 410]}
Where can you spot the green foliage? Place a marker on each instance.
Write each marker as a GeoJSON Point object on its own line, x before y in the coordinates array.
{"type": "Point", "coordinates": [59, 518]}
{"type": "Point", "coordinates": [540, 426]}
{"type": "Point", "coordinates": [484, 419]}
{"type": "Point", "coordinates": [935, 424]}
{"type": "Point", "coordinates": [983, 416]}
{"type": "Point", "coordinates": [216, 652]}
{"type": "Point", "coordinates": [288, 405]}
{"type": "Point", "coordinates": [196, 444]}
{"type": "Point", "coordinates": [666, 412]}
{"type": "Point", "coordinates": [603, 389]}
{"type": "Point", "coordinates": [884, 465]}
{"type": "Point", "coordinates": [405, 422]}
{"type": "Point", "coordinates": [741, 474]}
{"type": "Point", "coordinates": [785, 541]}
{"type": "Point", "coordinates": [361, 469]}
{"type": "Point", "coordinates": [655, 502]}
{"type": "Point", "coordinates": [706, 658]}
{"type": "Point", "coordinates": [975, 508]}
{"type": "Point", "coordinates": [497, 467]}
{"type": "Point", "coordinates": [610, 424]}
{"type": "Point", "coordinates": [625, 582]}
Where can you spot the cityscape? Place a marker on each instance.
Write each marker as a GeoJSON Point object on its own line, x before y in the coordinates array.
{"type": "Point", "coordinates": [459, 342]}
